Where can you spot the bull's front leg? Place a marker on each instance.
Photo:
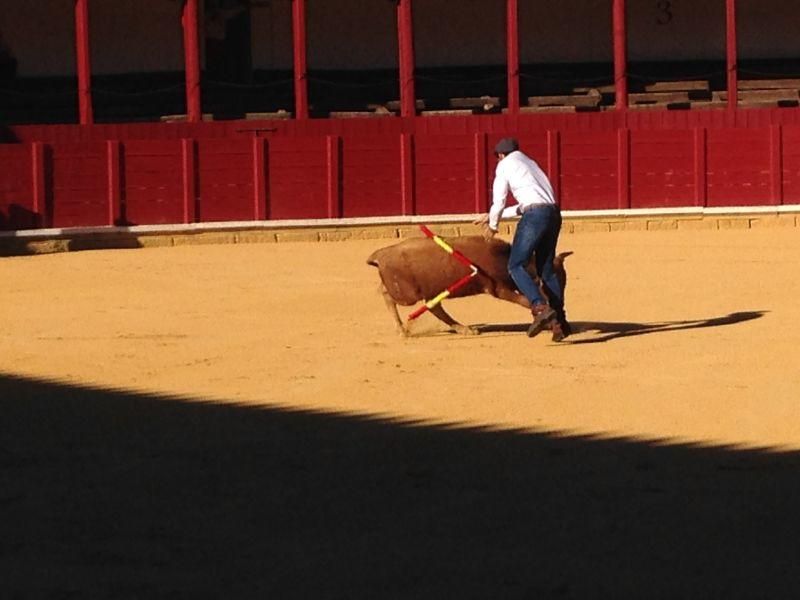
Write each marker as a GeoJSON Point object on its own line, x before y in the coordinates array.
{"type": "Point", "coordinates": [440, 313]}
{"type": "Point", "coordinates": [392, 306]}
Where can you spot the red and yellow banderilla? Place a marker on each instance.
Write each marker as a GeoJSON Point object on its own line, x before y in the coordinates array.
{"type": "Point", "coordinates": [453, 287]}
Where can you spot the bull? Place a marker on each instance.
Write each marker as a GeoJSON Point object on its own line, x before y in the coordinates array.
{"type": "Point", "coordinates": [417, 269]}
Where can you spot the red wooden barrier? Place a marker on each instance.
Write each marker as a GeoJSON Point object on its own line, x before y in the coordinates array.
{"type": "Point", "coordinates": [152, 188]}
{"type": "Point", "coordinates": [18, 207]}
{"type": "Point", "coordinates": [382, 167]}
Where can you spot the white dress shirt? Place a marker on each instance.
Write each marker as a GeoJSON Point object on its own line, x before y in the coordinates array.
{"type": "Point", "coordinates": [524, 178]}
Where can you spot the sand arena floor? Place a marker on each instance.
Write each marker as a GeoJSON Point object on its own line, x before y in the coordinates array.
{"type": "Point", "coordinates": [242, 421]}
{"type": "Point", "coordinates": [685, 336]}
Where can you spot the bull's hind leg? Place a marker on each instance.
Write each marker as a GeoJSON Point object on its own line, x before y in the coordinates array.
{"type": "Point", "coordinates": [508, 295]}
{"type": "Point", "coordinates": [440, 313]}
{"type": "Point", "coordinates": [392, 306]}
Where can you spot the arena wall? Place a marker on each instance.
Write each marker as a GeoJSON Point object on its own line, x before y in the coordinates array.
{"type": "Point", "coordinates": [151, 174]}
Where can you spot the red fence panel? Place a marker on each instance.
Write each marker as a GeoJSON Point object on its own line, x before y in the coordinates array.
{"type": "Point", "coordinates": [152, 182]}
{"type": "Point", "coordinates": [589, 170]}
{"type": "Point", "coordinates": [371, 176]}
{"type": "Point", "coordinates": [791, 164]}
{"type": "Point", "coordinates": [80, 184]}
{"type": "Point", "coordinates": [17, 206]}
{"type": "Point", "coordinates": [225, 180]}
{"type": "Point", "coordinates": [662, 171]}
{"type": "Point", "coordinates": [739, 170]}
{"type": "Point", "coordinates": [444, 174]}
{"type": "Point", "coordinates": [297, 178]}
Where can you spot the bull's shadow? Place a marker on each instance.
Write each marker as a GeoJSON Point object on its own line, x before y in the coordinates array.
{"type": "Point", "coordinates": [115, 495]}
{"type": "Point", "coordinates": [607, 331]}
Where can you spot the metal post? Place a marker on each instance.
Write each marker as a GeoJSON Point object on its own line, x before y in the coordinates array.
{"type": "Point", "coordinates": [191, 48]}
{"type": "Point", "coordinates": [300, 62]}
{"type": "Point", "coordinates": [84, 63]}
{"type": "Point", "coordinates": [405, 43]}
{"type": "Point", "coordinates": [620, 55]}
{"type": "Point", "coordinates": [512, 49]}
{"type": "Point", "coordinates": [730, 54]}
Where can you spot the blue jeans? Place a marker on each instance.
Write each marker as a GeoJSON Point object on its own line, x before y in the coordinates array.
{"type": "Point", "coordinates": [537, 233]}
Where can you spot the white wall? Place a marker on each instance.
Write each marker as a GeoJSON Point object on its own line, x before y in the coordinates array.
{"type": "Point", "coordinates": [145, 35]}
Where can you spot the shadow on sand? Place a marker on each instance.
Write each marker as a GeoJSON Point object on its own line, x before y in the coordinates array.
{"type": "Point", "coordinates": [607, 331]}
{"type": "Point", "coordinates": [108, 494]}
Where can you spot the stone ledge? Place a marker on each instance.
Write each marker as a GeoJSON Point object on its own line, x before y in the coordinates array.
{"type": "Point", "coordinates": [50, 241]}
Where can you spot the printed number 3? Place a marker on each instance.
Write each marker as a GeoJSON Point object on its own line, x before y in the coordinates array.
{"type": "Point", "coordinates": [664, 12]}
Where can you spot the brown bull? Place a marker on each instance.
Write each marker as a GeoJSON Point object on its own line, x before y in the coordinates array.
{"type": "Point", "coordinates": [418, 269]}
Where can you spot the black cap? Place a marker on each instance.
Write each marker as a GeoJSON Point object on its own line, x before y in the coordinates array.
{"type": "Point", "coordinates": [506, 146]}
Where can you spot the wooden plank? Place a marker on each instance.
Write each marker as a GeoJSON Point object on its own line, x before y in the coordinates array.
{"type": "Point", "coordinates": [588, 100]}
{"type": "Point", "coordinates": [485, 103]}
{"type": "Point", "coordinates": [395, 104]}
{"type": "Point", "coordinates": [278, 114]}
{"type": "Point", "coordinates": [693, 85]}
{"type": "Point", "coordinates": [773, 96]}
{"type": "Point", "coordinates": [600, 89]}
{"type": "Point", "coordinates": [658, 97]}
{"type": "Point", "coordinates": [542, 109]}
{"type": "Point", "coordinates": [358, 114]}
{"type": "Point", "coordinates": [768, 84]}
{"type": "Point", "coordinates": [437, 113]}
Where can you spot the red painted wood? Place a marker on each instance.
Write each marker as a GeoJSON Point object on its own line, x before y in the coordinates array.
{"type": "Point", "coordinates": [260, 210]}
{"type": "Point", "coordinates": [80, 188]}
{"type": "Point", "coordinates": [84, 64]}
{"type": "Point", "coordinates": [191, 45]}
{"type": "Point", "coordinates": [482, 183]}
{"type": "Point", "coordinates": [553, 167]}
{"type": "Point", "coordinates": [589, 170]}
{"type": "Point", "coordinates": [225, 186]}
{"type": "Point", "coordinates": [512, 52]}
{"type": "Point", "coordinates": [731, 53]}
{"type": "Point", "coordinates": [619, 18]}
{"type": "Point", "coordinates": [404, 166]}
{"type": "Point", "coordinates": [153, 184]}
{"type": "Point", "coordinates": [444, 174]}
{"type": "Point", "coordinates": [371, 176]}
{"type": "Point", "coordinates": [189, 172]}
{"type": "Point", "coordinates": [739, 167]}
{"type": "Point", "coordinates": [405, 44]}
{"type": "Point", "coordinates": [776, 163]}
{"type": "Point", "coordinates": [299, 49]}
{"type": "Point", "coordinates": [298, 178]}
{"type": "Point", "coordinates": [39, 189]}
{"type": "Point", "coordinates": [407, 175]}
{"type": "Point", "coordinates": [662, 168]}
{"type": "Point", "coordinates": [790, 164]}
{"type": "Point", "coordinates": [18, 208]}
{"type": "Point", "coordinates": [334, 151]}
{"type": "Point", "coordinates": [700, 156]}
{"type": "Point", "coordinates": [113, 167]}
{"type": "Point", "coordinates": [623, 168]}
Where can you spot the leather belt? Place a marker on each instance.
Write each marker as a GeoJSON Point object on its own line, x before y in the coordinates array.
{"type": "Point", "coordinates": [523, 208]}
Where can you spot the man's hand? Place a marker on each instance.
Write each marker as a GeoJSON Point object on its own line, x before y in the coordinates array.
{"type": "Point", "coordinates": [482, 220]}
{"type": "Point", "coordinates": [488, 232]}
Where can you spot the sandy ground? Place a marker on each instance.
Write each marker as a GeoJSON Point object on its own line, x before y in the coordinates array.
{"type": "Point", "coordinates": [686, 343]}
{"type": "Point", "coordinates": [688, 336]}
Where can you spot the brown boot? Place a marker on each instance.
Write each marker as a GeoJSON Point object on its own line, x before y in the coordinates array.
{"type": "Point", "coordinates": [543, 316]}
{"type": "Point", "coordinates": [558, 331]}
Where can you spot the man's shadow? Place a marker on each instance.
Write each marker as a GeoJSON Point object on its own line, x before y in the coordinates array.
{"type": "Point", "coordinates": [613, 330]}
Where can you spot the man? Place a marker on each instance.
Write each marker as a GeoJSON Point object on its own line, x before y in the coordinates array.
{"type": "Point", "coordinates": [536, 236]}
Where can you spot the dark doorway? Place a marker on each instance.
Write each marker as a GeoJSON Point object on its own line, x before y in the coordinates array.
{"type": "Point", "coordinates": [227, 41]}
